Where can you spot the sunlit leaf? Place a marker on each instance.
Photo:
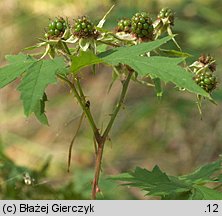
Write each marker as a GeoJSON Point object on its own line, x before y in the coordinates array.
{"type": "Point", "coordinates": [204, 193]}
{"type": "Point", "coordinates": [165, 68]}
{"type": "Point", "coordinates": [204, 173]}
{"type": "Point", "coordinates": [38, 76]}
{"type": "Point", "coordinates": [18, 65]}
{"type": "Point", "coordinates": [154, 182]}
{"type": "Point", "coordinates": [83, 60]}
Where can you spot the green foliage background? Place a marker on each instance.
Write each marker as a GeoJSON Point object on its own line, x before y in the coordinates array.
{"type": "Point", "coordinates": [147, 132]}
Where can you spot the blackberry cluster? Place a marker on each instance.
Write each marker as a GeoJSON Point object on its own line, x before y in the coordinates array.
{"type": "Point", "coordinates": [84, 28]}
{"type": "Point", "coordinates": [166, 13]}
{"type": "Point", "coordinates": [124, 25]}
{"type": "Point", "coordinates": [206, 80]}
{"type": "Point", "coordinates": [142, 26]}
{"type": "Point", "coordinates": [56, 28]}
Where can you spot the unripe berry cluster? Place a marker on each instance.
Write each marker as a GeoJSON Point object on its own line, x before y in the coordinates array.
{"type": "Point", "coordinates": [56, 28]}
{"type": "Point", "coordinates": [204, 77]}
{"type": "Point", "coordinates": [142, 25]}
{"type": "Point", "coordinates": [206, 80]}
{"type": "Point", "coordinates": [124, 25]}
{"type": "Point", "coordinates": [166, 13]}
{"type": "Point", "coordinates": [84, 28]}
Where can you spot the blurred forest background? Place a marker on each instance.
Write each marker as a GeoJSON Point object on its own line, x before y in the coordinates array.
{"type": "Point", "coordinates": [169, 133]}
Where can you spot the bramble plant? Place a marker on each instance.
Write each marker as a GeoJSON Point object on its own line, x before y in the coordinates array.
{"type": "Point", "coordinates": [133, 50]}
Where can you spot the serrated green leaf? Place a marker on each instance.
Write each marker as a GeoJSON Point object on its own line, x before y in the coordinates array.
{"type": "Point", "coordinates": [83, 60]}
{"type": "Point", "coordinates": [38, 76]}
{"type": "Point", "coordinates": [154, 182]}
{"type": "Point", "coordinates": [204, 193]}
{"type": "Point", "coordinates": [18, 65]}
{"type": "Point", "coordinates": [165, 68]}
{"type": "Point", "coordinates": [157, 183]}
{"type": "Point", "coordinates": [117, 55]}
{"type": "Point", "coordinates": [204, 173]}
{"type": "Point", "coordinates": [22, 58]}
{"type": "Point", "coordinates": [39, 110]}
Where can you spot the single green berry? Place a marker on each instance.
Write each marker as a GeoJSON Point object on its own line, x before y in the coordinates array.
{"type": "Point", "coordinates": [83, 25]}
{"type": "Point", "coordinates": [207, 81]}
{"type": "Point", "coordinates": [145, 26]}
{"type": "Point", "coordinates": [59, 26]}
{"type": "Point", "coordinates": [46, 35]}
{"type": "Point", "coordinates": [142, 20]}
{"type": "Point", "coordinates": [57, 32]}
{"type": "Point", "coordinates": [78, 28]}
{"type": "Point", "coordinates": [142, 26]}
{"type": "Point", "coordinates": [52, 25]}
{"type": "Point", "coordinates": [51, 32]}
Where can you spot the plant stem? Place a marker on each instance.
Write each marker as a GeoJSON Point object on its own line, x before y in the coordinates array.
{"type": "Point", "coordinates": [119, 104]}
{"type": "Point", "coordinates": [102, 140]}
{"type": "Point", "coordinates": [66, 48]}
{"type": "Point", "coordinates": [80, 89]}
{"type": "Point", "coordinates": [95, 187]}
{"type": "Point", "coordinates": [85, 108]}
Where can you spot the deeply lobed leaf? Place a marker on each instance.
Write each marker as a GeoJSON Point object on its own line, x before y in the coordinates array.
{"type": "Point", "coordinates": [154, 182]}
{"type": "Point", "coordinates": [165, 68]}
{"type": "Point", "coordinates": [204, 193]}
{"type": "Point", "coordinates": [18, 65]}
{"type": "Point", "coordinates": [38, 74]}
{"type": "Point", "coordinates": [157, 183]}
{"type": "Point", "coordinates": [204, 173]}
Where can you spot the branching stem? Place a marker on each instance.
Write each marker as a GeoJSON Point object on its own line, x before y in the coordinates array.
{"type": "Point", "coordinates": [100, 139]}
{"type": "Point", "coordinates": [101, 143]}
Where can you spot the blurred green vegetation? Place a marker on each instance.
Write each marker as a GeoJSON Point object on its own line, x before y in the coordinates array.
{"type": "Point", "coordinates": [169, 132]}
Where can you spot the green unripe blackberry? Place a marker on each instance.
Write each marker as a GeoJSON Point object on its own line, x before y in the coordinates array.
{"type": "Point", "coordinates": [56, 28]}
{"type": "Point", "coordinates": [142, 26]}
{"type": "Point", "coordinates": [124, 25]}
{"type": "Point", "coordinates": [166, 13]}
{"type": "Point", "coordinates": [206, 80]}
{"type": "Point", "coordinates": [52, 25]}
{"type": "Point", "coordinates": [59, 26]}
{"type": "Point", "coordinates": [84, 28]}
